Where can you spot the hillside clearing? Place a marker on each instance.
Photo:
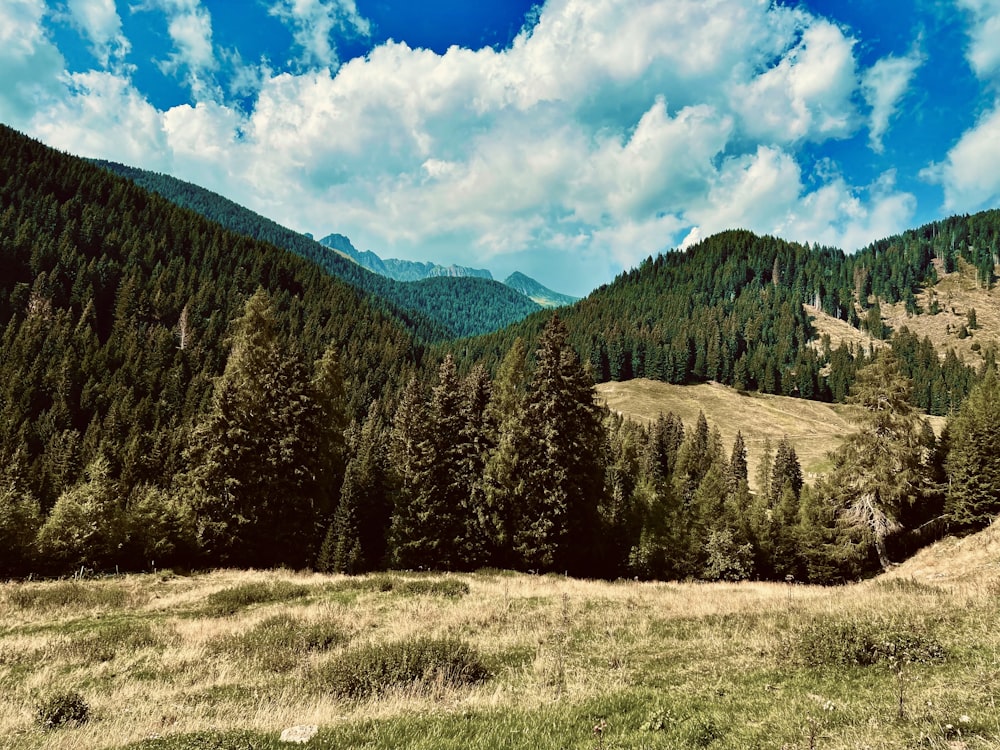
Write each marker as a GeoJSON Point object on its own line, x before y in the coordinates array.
{"type": "Point", "coordinates": [572, 663]}
{"type": "Point", "coordinates": [813, 428]}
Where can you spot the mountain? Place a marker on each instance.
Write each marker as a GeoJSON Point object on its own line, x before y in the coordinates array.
{"type": "Point", "coordinates": [537, 292]}
{"type": "Point", "coordinates": [455, 308]}
{"type": "Point", "coordinates": [115, 313]}
{"type": "Point", "coordinates": [408, 270]}
{"type": "Point", "coordinates": [741, 309]}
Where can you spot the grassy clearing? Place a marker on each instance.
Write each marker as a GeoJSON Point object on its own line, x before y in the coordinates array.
{"type": "Point", "coordinates": [517, 661]}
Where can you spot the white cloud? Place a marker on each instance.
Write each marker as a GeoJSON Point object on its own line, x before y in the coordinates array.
{"type": "Point", "coordinates": [808, 94]}
{"type": "Point", "coordinates": [102, 115]}
{"type": "Point", "coordinates": [602, 134]}
{"type": "Point", "coordinates": [99, 21]}
{"type": "Point", "coordinates": [313, 24]}
{"type": "Point", "coordinates": [884, 85]}
{"type": "Point", "coordinates": [969, 173]}
{"type": "Point", "coordinates": [29, 63]}
{"type": "Point", "coordinates": [189, 25]}
{"type": "Point", "coordinates": [983, 52]}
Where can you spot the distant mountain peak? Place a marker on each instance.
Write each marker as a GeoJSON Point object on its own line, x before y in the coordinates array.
{"type": "Point", "coordinates": [537, 292]}
{"type": "Point", "coordinates": [411, 270]}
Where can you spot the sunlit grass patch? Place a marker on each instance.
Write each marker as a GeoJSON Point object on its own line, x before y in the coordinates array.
{"type": "Point", "coordinates": [231, 600]}
{"type": "Point", "coordinates": [373, 669]}
{"type": "Point", "coordinates": [280, 642]}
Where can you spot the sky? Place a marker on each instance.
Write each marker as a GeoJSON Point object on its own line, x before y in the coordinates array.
{"type": "Point", "coordinates": [568, 139]}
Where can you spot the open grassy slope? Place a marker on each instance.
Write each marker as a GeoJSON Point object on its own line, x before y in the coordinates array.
{"type": "Point", "coordinates": [967, 561]}
{"type": "Point", "coordinates": [206, 662]}
{"type": "Point", "coordinates": [813, 428]}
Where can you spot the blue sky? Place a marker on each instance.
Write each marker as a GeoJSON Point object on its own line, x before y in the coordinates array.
{"type": "Point", "coordinates": [568, 139]}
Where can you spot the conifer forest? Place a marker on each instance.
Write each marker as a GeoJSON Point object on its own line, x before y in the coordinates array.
{"type": "Point", "coordinates": [181, 388]}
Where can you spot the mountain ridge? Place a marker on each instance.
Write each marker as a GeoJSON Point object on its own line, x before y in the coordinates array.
{"type": "Point", "coordinates": [411, 270]}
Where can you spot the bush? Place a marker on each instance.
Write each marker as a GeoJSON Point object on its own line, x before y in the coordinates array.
{"type": "Point", "coordinates": [62, 709]}
{"type": "Point", "coordinates": [450, 588]}
{"type": "Point", "coordinates": [864, 644]}
{"type": "Point", "coordinates": [230, 601]}
{"type": "Point", "coordinates": [277, 643]}
{"type": "Point", "coordinates": [107, 641]}
{"type": "Point", "coordinates": [374, 669]}
{"type": "Point", "coordinates": [69, 594]}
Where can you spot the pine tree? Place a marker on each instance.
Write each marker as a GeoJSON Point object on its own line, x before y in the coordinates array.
{"type": "Point", "coordinates": [356, 539]}
{"type": "Point", "coordinates": [879, 471]}
{"type": "Point", "coordinates": [737, 470]}
{"type": "Point", "coordinates": [973, 462]}
{"type": "Point", "coordinates": [261, 458]}
{"type": "Point", "coordinates": [503, 486]}
{"type": "Point", "coordinates": [558, 514]}
{"type": "Point", "coordinates": [428, 527]}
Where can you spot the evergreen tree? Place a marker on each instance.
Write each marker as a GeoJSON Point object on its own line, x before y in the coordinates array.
{"type": "Point", "coordinates": [356, 539]}
{"type": "Point", "coordinates": [737, 473]}
{"type": "Point", "coordinates": [85, 527]}
{"type": "Point", "coordinates": [428, 527]}
{"type": "Point", "coordinates": [261, 458]}
{"type": "Point", "coordinates": [973, 462]}
{"type": "Point", "coordinates": [20, 519]}
{"type": "Point", "coordinates": [879, 471]}
{"type": "Point", "coordinates": [558, 513]}
{"type": "Point", "coordinates": [786, 472]}
{"type": "Point", "coordinates": [503, 481]}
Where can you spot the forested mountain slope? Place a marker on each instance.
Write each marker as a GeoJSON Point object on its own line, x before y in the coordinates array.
{"type": "Point", "coordinates": [114, 310]}
{"type": "Point", "coordinates": [444, 308]}
{"type": "Point", "coordinates": [731, 310]}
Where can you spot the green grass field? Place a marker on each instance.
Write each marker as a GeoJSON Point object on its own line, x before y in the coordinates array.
{"type": "Point", "coordinates": [229, 659]}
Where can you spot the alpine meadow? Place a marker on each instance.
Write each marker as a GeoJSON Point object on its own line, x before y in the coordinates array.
{"type": "Point", "coordinates": [259, 490]}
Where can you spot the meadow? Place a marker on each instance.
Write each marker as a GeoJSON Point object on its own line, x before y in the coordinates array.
{"type": "Point", "coordinates": [226, 660]}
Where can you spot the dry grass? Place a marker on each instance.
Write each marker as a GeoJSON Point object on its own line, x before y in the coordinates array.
{"type": "Point", "coordinates": [813, 428]}
{"type": "Point", "coordinates": [708, 664]}
{"type": "Point", "coordinates": [956, 293]}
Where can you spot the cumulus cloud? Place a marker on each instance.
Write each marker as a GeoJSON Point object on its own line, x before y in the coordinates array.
{"type": "Point", "coordinates": [983, 52]}
{"type": "Point", "coordinates": [313, 24]}
{"type": "Point", "coordinates": [100, 22]}
{"type": "Point", "coordinates": [29, 62]}
{"type": "Point", "coordinates": [884, 85]}
{"type": "Point", "coordinates": [808, 94]}
{"type": "Point", "coordinates": [102, 114]}
{"type": "Point", "coordinates": [969, 173]}
{"type": "Point", "coordinates": [189, 25]}
{"type": "Point", "coordinates": [604, 133]}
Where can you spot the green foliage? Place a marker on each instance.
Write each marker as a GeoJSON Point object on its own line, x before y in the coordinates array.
{"type": "Point", "coordinates": [20, 519]}
{"type": "Point", "coordinates": [61, 710]}
{"type": "Point", "coordinates": [68, 594]}
{"type": "Point", "coordinates": [108, 641]}
{"type": "Point", "coordinates": [85, 528]}
{"type": "Point", "coordinates": [268, 456]}
{"type": "Point", "coordinates": [973, 461]}
{"type": "Point", "coordinates": [371, 670]}
{"type": "Point", "coordinates": [864, 643]}
{"type": "Point", "coordinates": [280, 642]}
{"type": "Point", "coordinates": [231, 600]}
{"type": "Point", "coordinates": [433, 309]}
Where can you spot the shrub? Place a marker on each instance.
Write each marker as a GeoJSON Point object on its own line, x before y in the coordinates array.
{"type": "Point", "coordinates": [232, 600]}
{"type": "Point", "coordinates": [61, 709]}
{"type": "Point", "coordinates": [449, 588]}
{"type": "Point", "coordinates": [277, 642]}
{"type": "Point", "coordinates": [376, 668]}
{"type": "Point", "coordinates": [107, 641]}
{"type": "Point", "coordinates": [854, 643]}
{"type": "Point", "coordinates": [69, 594]}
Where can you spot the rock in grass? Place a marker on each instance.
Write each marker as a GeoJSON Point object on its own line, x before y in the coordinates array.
{"type": "Point", "coordinates": [300, 734]}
